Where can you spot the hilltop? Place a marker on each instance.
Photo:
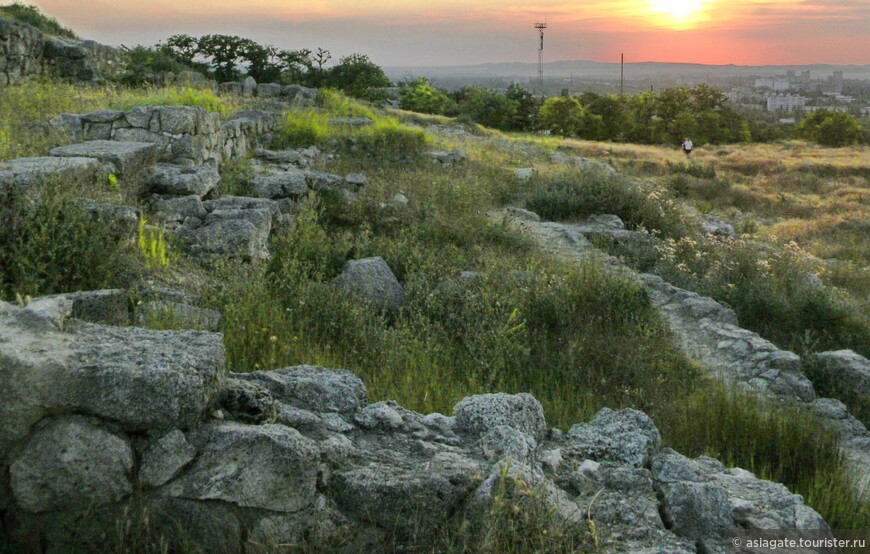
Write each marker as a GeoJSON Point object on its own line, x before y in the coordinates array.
{"type": "Point", "coordinates": [263, 317]}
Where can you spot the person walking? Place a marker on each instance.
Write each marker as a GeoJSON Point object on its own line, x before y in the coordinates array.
{"type": "Point", "coordinates": [687, 146]}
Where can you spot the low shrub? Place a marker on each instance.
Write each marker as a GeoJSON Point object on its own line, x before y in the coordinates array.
{"type": "Point", "coordinates": [591, 192]}
{"type": "Point", "coordinates": [50, 243]}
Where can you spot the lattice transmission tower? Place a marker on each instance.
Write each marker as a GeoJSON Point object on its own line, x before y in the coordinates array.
{"type": "Point", "coordinates": [540, 27]}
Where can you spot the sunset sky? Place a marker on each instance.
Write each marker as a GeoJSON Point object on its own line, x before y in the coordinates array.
{"type": "Point", "coordinates": [451, 32]}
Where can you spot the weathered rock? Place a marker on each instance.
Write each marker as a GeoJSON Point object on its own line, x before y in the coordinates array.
{"type": "Point", "coordinates": [280, 184]}
{"type": "Point", "coordinates": [503, 442]}
{"type": "Point", "coordinates": [248, 402]}
{"type": "Point", "coordinates": [24, 172]}
{"type": "Point", "coordinates": [627, 436]}
{"type": "Point", "coordinates": [270, 467]}
{"type": "Point", "coordinates": [412, 500]}
{"type": "Point", "coordinates": [520, 213]}
{"type": "Point", "coordinates": [475, 415]}
{"type": "Point", "coordinates": [372, 280]}
{"type": "Point", "coordinates": [164, 458]}
{"type": "Point", "coordinates": [845, 372]}
{"type": "Point", "coordinates": [128, 157]}
{"type": "Point", "coordinates": [143, 380]}
{"type": "Point", "coordinates": [269, 90]}
{"type": "Point", "coordinates": [516, 484]}
{"type": "Point", "coordinates": [381, 415]}
{"type": "Point", "coordinates": [177, 209]}
{"type": "Point", "coordinates": [183, 181]}
{"type": "Point", "coordinates": [313, 388]}
{"type": "Point", "coordinates": [249, 86]}
{"type": "Point", "coordinates": [108, 307]}
{"type": "Point", "coordinates": [71, 464]}
{"type": "Point", "coordinates": [448, 158]}
{"type": "Point", "coordinates": [232, 237]}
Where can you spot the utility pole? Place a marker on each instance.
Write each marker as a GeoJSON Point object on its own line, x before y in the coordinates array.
{"type": "Point", "coordinates": [621, 74]}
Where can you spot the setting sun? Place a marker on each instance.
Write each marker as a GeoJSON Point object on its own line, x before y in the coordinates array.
{"type": "Point", "coordinates": [678, 14]}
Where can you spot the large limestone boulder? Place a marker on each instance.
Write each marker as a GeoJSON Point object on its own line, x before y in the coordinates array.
{"type": "Point", "coordinates": [141, 380]}
{"type": "Point", "coordinates": [280, 184]}
{"type": "Point", "coordinates": [476, 415]}
{"type": "Point", "coordinates": [845, 372]}
{"type": "Point", "coordinates": [128, 157]}
{"type": "Point", "coordinates": [413, 499]}
{"type": "Point", "coordinates": [183, 181]}
{"type": "Point", "coordinates": [23, 172]}
{"type": "Point", "coordinates": [372, 280]}
{"type": "Point", "coordinates": [70, 463]}
{"type": "Point", "coordinates": [626, 436]}
{"type": "Point", "coordinates": [313, 388]}
{"type": "Point", "coordinates": [271, 467]}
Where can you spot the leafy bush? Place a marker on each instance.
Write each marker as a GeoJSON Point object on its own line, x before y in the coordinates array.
{"type": "Point", "coordinates": [420, 96]}
{"type": "Point", "coordinates": [831, 128]}
{"type": "Point", "coordinates": [565, 116]}
{"type": "Point", "coordinates": [592, 192]}
{"type": "Point", "coordinates": [50, 243]}
{"type": "Point", "coordinates": [31, 15]}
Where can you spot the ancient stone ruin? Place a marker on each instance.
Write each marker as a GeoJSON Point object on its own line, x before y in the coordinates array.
{"type": "Point", "coordinates": [115, 432]}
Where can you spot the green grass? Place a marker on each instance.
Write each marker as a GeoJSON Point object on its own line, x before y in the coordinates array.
{"type": "Point", "coordinates": [31, 15]}
{"type": "Point", "coordinates": [49, 243]}
{"type": "Point", "coordinates": [384, 139]}
{"type": "Point", "coordinates": [578, 337]}
{"type": "Point", "coordinates": [576, 195]}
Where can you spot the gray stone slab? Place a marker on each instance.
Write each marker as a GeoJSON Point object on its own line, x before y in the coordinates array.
{"type": "Point", "coordinates": [127, 157]}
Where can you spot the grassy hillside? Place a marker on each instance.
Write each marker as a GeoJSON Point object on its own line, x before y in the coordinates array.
{"type": "Point", "coordinates": [577, 336]}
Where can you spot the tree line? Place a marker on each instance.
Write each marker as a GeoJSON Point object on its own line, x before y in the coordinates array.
{"type": "Point", "coordinates": [701, 113]}
{"type": "Point", "coordinates": [227, 58]}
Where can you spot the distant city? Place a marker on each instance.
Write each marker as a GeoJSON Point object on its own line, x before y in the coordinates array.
{"type": "Point", "coordinates": [783, 91]}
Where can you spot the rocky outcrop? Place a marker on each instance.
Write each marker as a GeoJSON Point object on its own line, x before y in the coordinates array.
{"type": "Point", "coordinates": [112, 434]}
{"type": "Point", "coordinates": [709, 332]}
{"type": "Point", "coordinates": [27, 54]}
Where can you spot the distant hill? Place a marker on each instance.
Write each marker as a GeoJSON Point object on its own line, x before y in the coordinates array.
{"type": "Point", "coordinates": [643, 70]}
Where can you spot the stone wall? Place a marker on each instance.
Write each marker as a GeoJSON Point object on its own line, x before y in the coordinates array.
{"type": "Point", "coordinates": [112, 435]}
{"type": "Point", "coordinates": [26, 54]}
{"type": "Point", "coordinates": [180, 132]}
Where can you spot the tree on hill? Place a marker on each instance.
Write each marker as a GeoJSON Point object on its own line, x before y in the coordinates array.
{"type": "Point", "coordinates": [831, 128]}
{"type": "Point", "coordinates": [487, 107]}
{"type": "Point", "coordinates": [358, 76]}
{"type": "Point", "coordinates": [562, 115]}
{"type": "Point", "coordinates": [419, 95]}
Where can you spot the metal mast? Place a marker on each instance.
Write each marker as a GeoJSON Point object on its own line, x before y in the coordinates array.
{"type": "Point", "coordinates": [540, 27]}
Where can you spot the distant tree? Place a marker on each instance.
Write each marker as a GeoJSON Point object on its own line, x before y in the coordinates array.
{"type": "Point", "coordinates": [419, 95]}
{"type": "Point", "coordinates": [295, 65]}
{"type": "Point", "coordinates": [612, 110]}
{"type": "Point", "coordinates": [318, 60]}
{"type": "Point", "coordinates": [528, 105]}
{"type": "Point", "coordinates": [562, 115]}
{"type": "Point", "coordinates": [831, 128]}
{"type": "Point", "coordinates": [183, 47]}
{"type": "Point", "coordinates": [488, 107]}
{"type": "Point", "coordinates": [224, 53]}
{"type": "Point", "coordinates": [643, 122]}
{"type": "Point", "coordinates": [357, 76]}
